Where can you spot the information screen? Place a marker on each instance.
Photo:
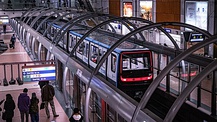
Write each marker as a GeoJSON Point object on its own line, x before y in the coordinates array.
{"type": "Point", "coordinates": [197, 37]}
{"type": "Point", "coordinates": [39, 73]}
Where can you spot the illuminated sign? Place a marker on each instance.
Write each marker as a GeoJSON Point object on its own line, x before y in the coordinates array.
{"type": "Point", "coordinates": [196, 37]}
{"type": "Point", "coordinates": [168, 30]}
{"type": "Point", "coordinates": [39, 72]}
{"type": "Point", "coordinates": [196, 13]}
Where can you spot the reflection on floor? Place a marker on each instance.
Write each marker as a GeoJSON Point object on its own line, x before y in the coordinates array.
{"type": "Point", "coordinates": [18, 55]}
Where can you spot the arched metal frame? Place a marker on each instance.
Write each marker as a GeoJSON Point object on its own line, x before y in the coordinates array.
{"type": "Point", "coordinates": [26, 13]}
{"type": "Point", "coordinates": [34, 14]}
{"type": "Point", "coordinates": [71, 23]}
{"type": "Point", "coordinates": [57, 19]}
{"type": "Point", "coordinates": [179, 57]}
{"type": "Point", "coordinates": [40, 15]}
{"type": "Point", "coordinates": [156, 81]}
{"type": "Point", "coordinates": [44, 20]}
{"type": "Point", "coordinates": [194, 83]}
{"type": "Point", "coordinates": [120, 41]}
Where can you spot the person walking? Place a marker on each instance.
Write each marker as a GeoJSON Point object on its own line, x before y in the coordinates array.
{"type": "Point", "coordinates": [33, 108]}
{"type": "Point", "coordinates": [13, 40]}
{"type": "Point", "coordinates": [76, 116]}
{"type": "Point", "coordinates": [9, 107]}
{"type": "Point", "coordinates": [23, 105]}
{"type": "Point", "coordinates": [47, 94]}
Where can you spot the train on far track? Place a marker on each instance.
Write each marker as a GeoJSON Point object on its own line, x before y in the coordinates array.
{"type": "Point", "coordinates": [129, 67]}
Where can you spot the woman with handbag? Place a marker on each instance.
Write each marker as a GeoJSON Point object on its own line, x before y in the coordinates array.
{"type": "Point", "coordinates": [9, 107]}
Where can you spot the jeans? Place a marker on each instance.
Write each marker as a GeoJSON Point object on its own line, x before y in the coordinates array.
{"type": "Point", "coordinates": [22, 116]}
{"type": "Point", "coordinates": [34, 117]}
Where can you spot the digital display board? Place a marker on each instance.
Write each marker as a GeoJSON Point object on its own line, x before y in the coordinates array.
{"type": "Point", "coordinates": [196, 37]}
{"type": "Point", "coordinates": [39, 72]}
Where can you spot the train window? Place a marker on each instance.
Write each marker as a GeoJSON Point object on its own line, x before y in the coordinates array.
{"type": "Point", "coordinates": [113, 63]}
{"type": "Point", "coordinates": [94, 54]}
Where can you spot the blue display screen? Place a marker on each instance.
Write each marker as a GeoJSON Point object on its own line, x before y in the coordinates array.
{"type": "Point", "coordinates": [38, 73]}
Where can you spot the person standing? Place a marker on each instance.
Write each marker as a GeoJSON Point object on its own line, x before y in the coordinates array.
{"type": "Point", "coordinates": [76, 116]}
{"type": "Point", "coordinates": [13, 40]}
{"type": "Point", "coordinates": [23, 105]}
{"type": "Point", "coordinates": [33, 108]}
{"type": "Point", "coordinates": [9, 107]}
{"type": "Point", "coordinates": [47, 94]}
{"type": "Point", "coordinates": [42, 83]}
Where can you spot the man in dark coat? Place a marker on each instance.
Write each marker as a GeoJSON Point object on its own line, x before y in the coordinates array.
{"type": "Point", "coordinates": [23, 104]}
{"type": "Point", "coordinates": [47, 94]}
{"type": "Point", "coordinates": [9, 107]}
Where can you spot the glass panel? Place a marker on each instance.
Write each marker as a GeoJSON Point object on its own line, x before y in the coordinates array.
{"type": "Point", "coordinates": [206, 100]}
{"type": "Point", "coordinates": [193, 96]}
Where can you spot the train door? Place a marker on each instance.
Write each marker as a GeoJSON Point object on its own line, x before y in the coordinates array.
{"type": "Point", "coordinates": [72, 42]}
{"type": "Point", "coordinates": [86, 51]}
{"type": "Point", "coordinates": [83, 51]}
{"type": "Point", "coordinates": [102, 69]}
{"type": "Point", "coordinates": [94, 55]}
{"type": "Point", "coordinates": [112, 68]}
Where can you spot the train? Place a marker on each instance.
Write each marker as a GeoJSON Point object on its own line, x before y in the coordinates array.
{"type": "Point", "coordinates": [129, 67]}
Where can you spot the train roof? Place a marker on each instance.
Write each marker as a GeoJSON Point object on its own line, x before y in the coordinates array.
{"type": "Point", "coordinates": [107, 41]}
{"type": "Point", "coordinates": [103, 40]}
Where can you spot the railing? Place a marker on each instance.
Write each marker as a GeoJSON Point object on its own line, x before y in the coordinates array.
{"type": "Point", "coordinates": [16, 5]}
{"type": "Point", "coordinates": [12, 71]}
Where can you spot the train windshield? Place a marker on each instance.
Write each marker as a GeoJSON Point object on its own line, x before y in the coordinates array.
{"type": "Point", "coordinates": [136, 61]}
{"type": "Point", "coordinates": [136, 66]}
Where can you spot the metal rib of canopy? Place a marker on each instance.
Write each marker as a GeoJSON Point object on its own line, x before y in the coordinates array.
{"type": "Point", "coordinates": [58, 18]}
{"type": "Point", "coordinates": [58, 13]}
{"type": "Point", "coordinates": [34, 13]}
{"type": "Point", "coordinates": [73, 22]}
{"type": "Point", "coordinates": [26, 13]}
{"type": "Point", "coordinates": [40, 15]}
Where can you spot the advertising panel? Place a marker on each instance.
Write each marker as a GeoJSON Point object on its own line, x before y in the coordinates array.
{"type": "Point", "coordinates": [127, 9]}
{"type": "Point", "coordinates": [39, 72]}
{"type": "Point", "coordinates": [196, 13]}
{"type": "Point", "coordinates": [146, 9]}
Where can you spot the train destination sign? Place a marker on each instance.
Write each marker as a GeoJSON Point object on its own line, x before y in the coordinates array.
{"type": "Point", "coordinates": [39, 72]}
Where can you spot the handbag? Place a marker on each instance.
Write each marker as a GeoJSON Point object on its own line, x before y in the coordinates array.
{"type": "Point", "coordinates": [42, 105]}
{"type": "Point", "coordinates": [4, 115]}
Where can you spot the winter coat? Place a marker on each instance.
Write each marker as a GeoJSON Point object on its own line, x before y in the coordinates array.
{"type": "Point", "coordinates": [47, 93]}
{"type": "Point", "coordinates": [9, 107]}
{"type": "Point", "coordinates": [76, 118]}
{"type": "Point", "coordinates": [33, 108]}
{"type": "Point", "coordinates": [23, 102]}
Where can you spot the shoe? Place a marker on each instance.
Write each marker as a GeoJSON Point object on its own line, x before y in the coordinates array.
{"type": "Point", "coordinates": [56, 115]}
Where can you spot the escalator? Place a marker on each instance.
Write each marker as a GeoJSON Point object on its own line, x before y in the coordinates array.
{"type": "Point", "coordinates": [85, 5]}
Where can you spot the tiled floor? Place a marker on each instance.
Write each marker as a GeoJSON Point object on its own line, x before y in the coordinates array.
{"type": "Point", "coordinates": [18, 55]}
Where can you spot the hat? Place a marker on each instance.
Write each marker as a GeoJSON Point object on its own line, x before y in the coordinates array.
{"type": "Point", "coordinates": [25, 90]}
{"type": "Point", "coordinates": [76, 110]}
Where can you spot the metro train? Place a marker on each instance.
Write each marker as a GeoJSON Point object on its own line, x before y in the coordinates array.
{"type": "Point", "coordinates": [129, 67]}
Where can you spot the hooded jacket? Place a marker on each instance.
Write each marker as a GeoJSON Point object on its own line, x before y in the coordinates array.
{"type": "Point", "coordinates": [23, 102]}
